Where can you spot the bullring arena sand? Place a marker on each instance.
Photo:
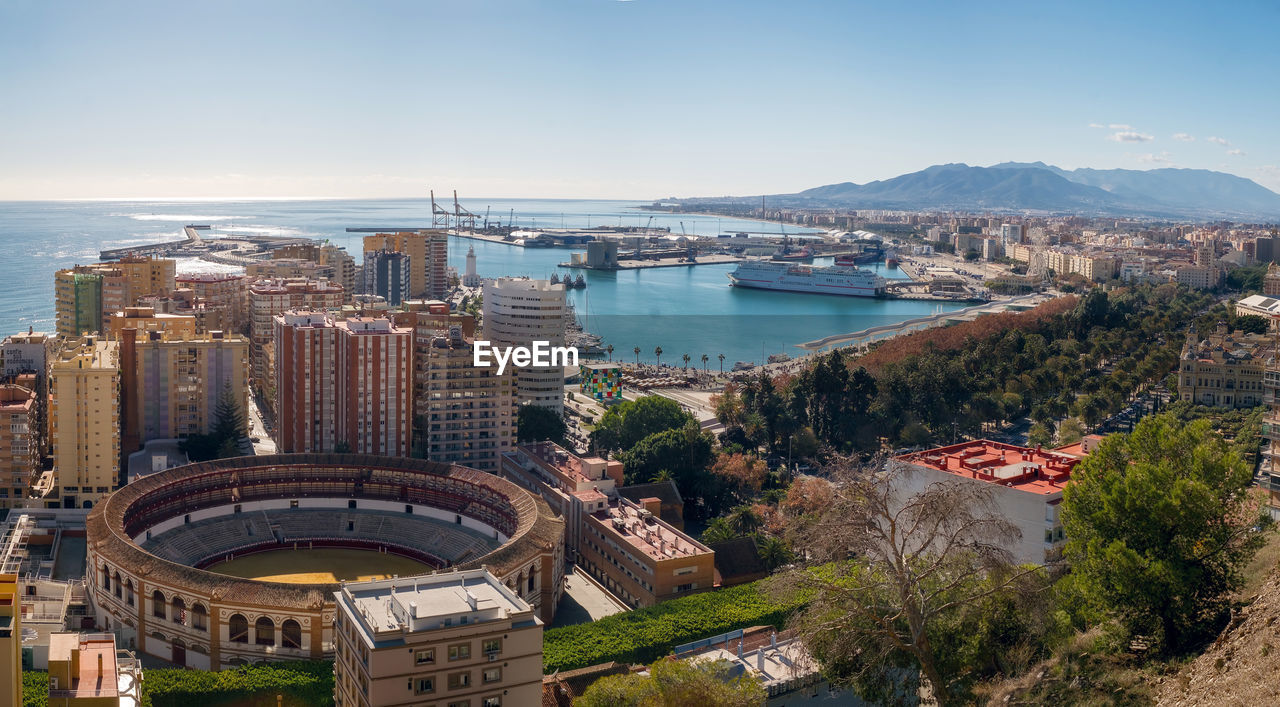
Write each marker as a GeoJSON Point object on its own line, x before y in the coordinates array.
{"type": "Point", "coordinates": [319, 566]}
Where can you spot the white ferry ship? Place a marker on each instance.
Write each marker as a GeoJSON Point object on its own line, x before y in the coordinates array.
{"type": "Point", "coordinates": [790, 277]}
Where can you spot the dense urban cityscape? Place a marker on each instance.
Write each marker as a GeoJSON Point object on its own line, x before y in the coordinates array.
{"type": "Point", "coordinates": [640, 354]}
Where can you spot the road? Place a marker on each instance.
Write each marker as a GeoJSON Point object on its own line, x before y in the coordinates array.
{"type": "Point", "coordinates": [258, 430]}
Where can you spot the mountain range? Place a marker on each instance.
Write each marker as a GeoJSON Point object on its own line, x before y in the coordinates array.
{"type": "Point", "coordinates": [1036, 186]}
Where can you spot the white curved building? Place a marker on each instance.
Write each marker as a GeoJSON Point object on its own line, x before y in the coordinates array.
{"type": "Point", "coordinates": [518, 312]}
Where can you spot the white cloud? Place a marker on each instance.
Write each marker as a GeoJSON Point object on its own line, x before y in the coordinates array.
{"type": "Point", "coordinates": [1120, 126]}
{"type": "Point", "coordinates": [1130, 136]}
{"type": "Point", "coordinates": [1184, 137]}
{"type": "Point", "coordinates": [1097, 125]}
{"type": "Point", "coordinates": [1237, 153]}
{"type": "Point", "coordinates": [1163, 158]}
{"type": "Point", "coordinates": [1218, 141]}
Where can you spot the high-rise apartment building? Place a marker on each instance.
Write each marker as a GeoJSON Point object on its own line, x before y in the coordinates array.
{"type": "Point", "coordinates": [451, 638]}
{"type": "Point", "coordinates": [519, 312]}
{"type": "Point", "coordinates": [340, 264]}
{"type": "Point", "coordinates": [86, 294]}
{"type": "Point", "coordinates": [171, 383]}
{"type": "Point", "coordinates": [10, 628]}
{"type": "Point", "coordinates": [147, 319]}
{"type": "Point", "coordinates": [19, 444]}
{"type": "Point", "coordinates": [85, 420]}
{"type": "Point", "coordinates": [224, 293]}
{"type": "Point", "coordinates": [343, 384]}
{"type": "Point", "coordinates": [268, 298]}
{"type": "Point", "coordinates": [386, 274]}
{"type": "Point", "coordinates": [78, 301]}
{"type": "Point", "coordinates": [25, 360]}
{"type": "Point", "coordinates": [428, 253]}
{"type": "Point", "coordinates": [464, 413]}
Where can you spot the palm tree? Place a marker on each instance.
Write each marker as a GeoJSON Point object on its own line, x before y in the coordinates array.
{"type": "Point", "coordinates": [686, 362]}
{"type": "Point", "coordinates": [657, 353]}
{"type": "Point", "coordinates": [721, 357]}
{"type": "Point", "coordinates": [609, 350]}
{"type": "Point", "coordinates": [773, 552]}
{"type": "Point", "coordinates": [718, 531]}
{"type": "Point", "coordinates": [744, 520]}
{"type": "Point", "coordinates": [637, 350]}
{"type": "Point", "coordinates": [704, 364]}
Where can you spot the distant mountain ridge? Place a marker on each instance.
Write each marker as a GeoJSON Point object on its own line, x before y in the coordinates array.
{"type": "Point", "coordinates": [1036, 186]}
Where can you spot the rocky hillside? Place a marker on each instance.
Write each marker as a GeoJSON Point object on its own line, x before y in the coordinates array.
{"type": "Point", "coordinates": [1242, 667]}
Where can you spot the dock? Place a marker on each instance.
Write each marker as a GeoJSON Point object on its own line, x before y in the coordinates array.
{"type": "Point", "coordinates": [672, 261]}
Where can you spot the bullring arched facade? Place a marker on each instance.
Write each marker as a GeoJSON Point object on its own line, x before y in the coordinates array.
{"type": "Point", "coordinates": [148, 543]}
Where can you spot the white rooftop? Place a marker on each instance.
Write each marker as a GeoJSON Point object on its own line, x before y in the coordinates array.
{"type": "Point", "coordinates": [428, 602]}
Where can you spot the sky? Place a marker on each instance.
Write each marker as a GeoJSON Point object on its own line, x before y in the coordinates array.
{"type": "Point", "coordinates": [605, 99]}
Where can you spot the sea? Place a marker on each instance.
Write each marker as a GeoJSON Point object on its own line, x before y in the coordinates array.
{"type": "Point", "coordinates": [682, 310]}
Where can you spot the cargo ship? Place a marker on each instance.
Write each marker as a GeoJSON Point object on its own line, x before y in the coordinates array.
{"type": "Point", "coordinates": [788, 277]}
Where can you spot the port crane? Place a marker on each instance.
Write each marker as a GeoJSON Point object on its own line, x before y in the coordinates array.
{"type": "Point", "coordinates": [461, 217]}
{"type": "Point", "coordinates": [439, 215]}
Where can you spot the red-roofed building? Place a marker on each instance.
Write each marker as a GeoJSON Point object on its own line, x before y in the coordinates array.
{"type": "Point", "coordinates": [1027, 484]}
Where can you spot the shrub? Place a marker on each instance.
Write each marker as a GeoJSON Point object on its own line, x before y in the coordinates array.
{"type": "Point", "coordinates": [645, 635]}
{"type": "Point", "coordinates": [301, 683]}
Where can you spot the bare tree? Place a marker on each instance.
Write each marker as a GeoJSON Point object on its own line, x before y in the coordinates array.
{"type": "Point", "coordinates": [888, 553]}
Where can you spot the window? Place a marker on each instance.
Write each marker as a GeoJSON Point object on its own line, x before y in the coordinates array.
{"type": "Point", "coordinates": [491, 701]}
{"type": "Point", "coordinates": [157, 605]}
{"type": "Point", "coordinates": [293, 503]}
{"type": "Point", "coordinates": [179, 611]}
{"type": "Point", "coordinates": [351, 504]}
{"type": "Point", "coordinates": [461, 651]}
{"type": "Point", "coordinates": [460, 703]}
{"type": "Point", "coordinates": [459, 680]}
{"type": "Point", "coordinates": [425, 657]}
{"type": "Point", "coordinates": [492, 675]}
{"type": "Point", "coordinates": [291, 634]}
{"type": "Point", "coordinates": [424, 686]}
{"type": "Point", "coordinates": [492, 645]}
{"type": "Point", "coordinates": [199, 617]}
{"type": "Point", "coordinates": [239, 628]}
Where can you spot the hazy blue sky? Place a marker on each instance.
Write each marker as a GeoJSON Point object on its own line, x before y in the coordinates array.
{"type": "Point", "coordinates": [598, 98]}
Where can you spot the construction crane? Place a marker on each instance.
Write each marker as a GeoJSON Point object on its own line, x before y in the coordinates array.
{"type": "Point", "coordinates": [486, 218]}
{"type": "Point", "coordinates": [682, 231]}
{"type": "Point", "coordinates": [511, 219]}
{"type": "Point", "coordinates": [439, 215]}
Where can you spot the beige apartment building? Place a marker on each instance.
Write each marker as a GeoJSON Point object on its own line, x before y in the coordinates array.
{"type": "Point", "coordinates": [147, 319]}
{"type": "Point", "coordinates": [464, 414]}
{"type": "Point", "coordinates": [452, 638]}
{"type": "Point", "coordinates": [171, 384]}
{"type": "Point", "coordinates": [19, 444]}
{"type": "Point", "coordinates": [10, 629]}
{"type": "Point", "coordinates": [428, 259]}
{"type": "Point", "coordinates": [573, 486]}
{"type": "Point", "coordinates": [338, 261]}
{"type": "Point", "coordinates": [1225, 370]}
{"type": "Point", "coordinates": [86, 670]}
{"type": "Point", "coordinates": [639, 557]}
{"type": "Point", "coordinates": [222, 297]}
{"type": "Point", "coordinates": [85, 294]}
{"type": "Point", "coordinates": [268, 298]}
{"type": "Point", "coordinates": [84, 420]}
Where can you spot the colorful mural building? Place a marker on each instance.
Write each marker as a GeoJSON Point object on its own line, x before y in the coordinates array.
{"type": "Point", "coordinates": [602, 381]}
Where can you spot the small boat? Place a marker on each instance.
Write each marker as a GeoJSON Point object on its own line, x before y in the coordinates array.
{"type": "Point", "coordinates": [743, 366]}
{"type": "Point", "coordinates": [789, 255]}
{"type": "Point", "coordinates": [579, 283]}
{"type": "Point", "coordinates": [779, 358]}
{"type": "Point", "coordinates": [555, 278]}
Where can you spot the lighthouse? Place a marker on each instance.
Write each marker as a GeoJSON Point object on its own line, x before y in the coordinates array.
{"type": "Point", "coordinates": [471, 279]}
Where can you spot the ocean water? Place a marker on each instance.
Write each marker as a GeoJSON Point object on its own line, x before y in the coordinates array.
{"type": "Point", "coordinates": [682, 310]}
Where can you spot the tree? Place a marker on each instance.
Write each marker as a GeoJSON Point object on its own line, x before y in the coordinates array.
{"type": "Point", "coordinates": [1160, 523]}
{"type": "Point", "coordinates": [894, 560]}
{"type": "Point", "coordinates": [681, 455]}
{"type": "Point", "coordinates": [657, 353]}
{"type": "Point", "coordinates": [721, 357]}
{"type": "Point", "coordinates": [971, 255]}
{"type": "Point", "coordinates": [686, 358]}
{"type": "Point", "coordinates": [609, 350]}
{"type": "Point", "coordinates": [626, 423]}
{"type": "Point", "coordinates": [773, 551]}
{"type": "Point", "coordinates": [676, 683]}
{"type": "Point", "coordinates": [228, 418]}
{"type": "Point", "coordinates": [705, 358]}
{"type": "Point", "coordinates": [744, 473]}
{"type": "Point", "coordinates": [637, 353]}
{"type": "Point", "coordinates": [1251, 324]}
{"type": "Point", "coordinates": [535, 424]}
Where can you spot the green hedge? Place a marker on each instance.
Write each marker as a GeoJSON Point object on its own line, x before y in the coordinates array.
{"type": "Point", "coordinates": [35, 688]}
{"type": "Point", "coordinates": [644, 635]}
{"type": "Point", "coordinates": [301, 683]}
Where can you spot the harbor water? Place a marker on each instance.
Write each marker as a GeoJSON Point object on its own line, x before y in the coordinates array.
{"type": "Point", "coordinates": [683, 310]}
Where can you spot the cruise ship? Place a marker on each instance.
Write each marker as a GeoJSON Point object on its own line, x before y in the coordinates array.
{"type": "Point", "coordinates": [790, 277]}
